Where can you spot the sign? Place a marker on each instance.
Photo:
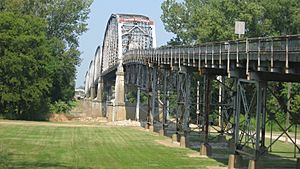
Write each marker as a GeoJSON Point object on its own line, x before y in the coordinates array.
{"type": "Point", "coordinates": [239, 28]}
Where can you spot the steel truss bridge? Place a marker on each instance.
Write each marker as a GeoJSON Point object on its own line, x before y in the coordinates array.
{"type": "Point", "coordinates": [241, 69]}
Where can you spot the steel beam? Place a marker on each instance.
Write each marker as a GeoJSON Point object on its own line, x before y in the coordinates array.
{"type": "Point", "coordinates": [207, 101]}
{"type": "Point", "coordinates": [183, 102]}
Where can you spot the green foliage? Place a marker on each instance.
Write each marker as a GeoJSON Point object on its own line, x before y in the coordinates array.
{"type": "Point", "coordinates": [61, 107]}
{"type": "Point", "coordinates": [24, 69]}
{"type": "Point", "coordinates": [66, 18]}
{"type": "Point", "coordinates": [39, 53]}
{"type": "Point", "coordinates": [132, 96]}
{"type": "Point", "coordinates": [198, 21]}
{"type": "Point", "coordinates": [175, 19]}
{"type": "Point", "coordinates": [277, 101]}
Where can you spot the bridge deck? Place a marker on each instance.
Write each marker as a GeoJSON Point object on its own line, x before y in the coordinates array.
{"type": "Point", "coordinates": [275, 55]}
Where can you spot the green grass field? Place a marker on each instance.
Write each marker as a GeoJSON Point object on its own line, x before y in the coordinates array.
{"type": "Point", "coordinates": [35, 146]}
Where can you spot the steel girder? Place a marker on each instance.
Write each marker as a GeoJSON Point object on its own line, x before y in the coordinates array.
{"type": "Point", "coordinates": [250, 105]}
{"type": "Point", "coordinates": [183, 101]}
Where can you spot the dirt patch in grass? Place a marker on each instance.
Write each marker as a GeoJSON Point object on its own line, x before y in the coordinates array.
{"type": "Point", "coordinates": [215, 156]}
{"type": "Point", "coordinates": [168, 143]}
{"type": "Point", "coordinates": [216, 167]}
{"type": "Point", "coordinates": [35, 123]}
{"type": "Point", "coordinates": [58, 118]}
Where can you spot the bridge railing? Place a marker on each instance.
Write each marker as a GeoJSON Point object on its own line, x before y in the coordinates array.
{"type": "Point", "coordinates": [223, 54]}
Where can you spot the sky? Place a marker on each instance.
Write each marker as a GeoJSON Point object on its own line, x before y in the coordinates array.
{"type": "Point", "coordinates": [101, 10]}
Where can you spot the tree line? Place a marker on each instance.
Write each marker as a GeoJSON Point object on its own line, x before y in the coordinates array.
{"type": "Point", "coordinates": [38, 54]}
{"type": "Point", "coordinates": [198, 21]}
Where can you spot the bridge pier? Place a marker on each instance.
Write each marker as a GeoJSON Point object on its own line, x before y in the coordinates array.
{"type": "Point", "coordinates": [152, 96]}
{"type": "Point", "coordinates": [137, 111]}
{"type": "Point", "coordinates": [119, 110]}
{"type": "Point", "coordinates": [158, 95]}
{"type": "Point", "coordinates": [149, 91]}
{"type": "Point", "coordinates": [100, 95]}
{"type": "Point", "coordinates": [251, 105]}
{"type": "Point", "coordinates": [221, 124]}
{"type": "Point", "coordinates": [92, 92]}
{"type": "Point", "coordinates": [205, 148]}
{"type": "Point", "coordinates": [183, 104]}
{"type": "Point", "coordinates": [165, 78]}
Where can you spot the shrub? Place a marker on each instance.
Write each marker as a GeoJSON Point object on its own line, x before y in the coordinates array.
{"type": "Point", "coordinates": [61, 107]}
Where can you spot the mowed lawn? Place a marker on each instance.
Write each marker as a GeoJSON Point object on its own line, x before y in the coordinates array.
{"type": "Point", "coordinates": [47, 146]}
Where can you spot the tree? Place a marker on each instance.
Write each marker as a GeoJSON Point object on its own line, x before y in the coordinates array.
{"type": "Point", "coordinates": [66, 18]}
{"type": "Point", "coordinates": [24, 71]}
{"type": "Point", "coordinates": [64, 21]}
{"type": "Point", "coordinates": [199, 21]}
{"type": "Point", "coordinates": [175, 20]}
{"type": "Point", "coordinates": [284, 15]}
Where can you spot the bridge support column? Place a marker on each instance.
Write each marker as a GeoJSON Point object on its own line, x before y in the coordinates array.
{"type": "Point", "coordinates": [139, 81]}
{"type": "Point", "coordinates": [256, 110]}
{"type": "Point", "coordinates": [154, 96]}
{"type": "Point", "coordinates": [100, 90]}
{"type": "Point", "coordinates": [206, 148]}
{"type": "Point", "coordinates": [137, 113]}
{"type": "Point", "coordinates": [198, 103]}
{"type": "Point", "coordinates": [233, 143]}
{"type": "Point", "coordinates": [220, 101]}
{"type": "Point", "coordinates": [119, 110]}
{"type": "Point", "coordinates": [92, 92]}
{"type": "Point", "coordinates": [159, 87]}
{"type": "Point", "coordinates": [100, 96]}
{"type": "Point", "coordinates": [165, 101]}
{"type": "Point", "coordinates": [87, 95]}
{"type": "Point", "coordinates": [183, 103]}
{"type": "Point", "coordinates": [260, 118]}
{"type": "Point", "coordinates": [152, 75]}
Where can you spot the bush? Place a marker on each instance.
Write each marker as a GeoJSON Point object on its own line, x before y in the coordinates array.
{"type": "Point", "coordinates": [61, 106]}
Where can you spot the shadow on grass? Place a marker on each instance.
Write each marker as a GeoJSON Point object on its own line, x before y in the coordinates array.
{"type": "Point", "coordinates": [37, 164]}
{"type": "Point", "coordinates": [6, 162]}
{"type": "Point", "coordinates": [40, 165]}
{"type": "Point", "coordinates": [220, 153]}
